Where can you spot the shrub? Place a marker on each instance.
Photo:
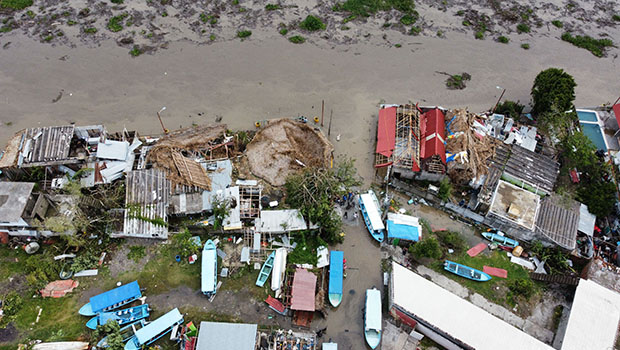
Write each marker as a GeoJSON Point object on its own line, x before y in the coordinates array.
{"type": "Point", "coordinates": [428, 247]}
{"type": "Point", "coordinates": [452, 240]}
{"type": "Point", "coordinates": [525, 46]}
{"type": "Point", "coordinates": [502, 39]}
{"type": "Point", "coordinates": [312, 24]}
{"type": "Point", "coordinates": [11, 305]}
{"type": "Point", "coordinates": [115, 24]}
{"type": "Point", "coordinates": [15, 4]}
{"type": "Point", "coordinates": [408, 19]}
{"type": "Point", "coordinates": [466, 23]}
{"type": "Point", "coordinates": [244, 33]}
{"type": "Point", "coordinates": [297, 39]}
{"type": "Point", "coordinates": [522, 287]}
{"type": "Point", "coordinates": [616, 18]}
{"type": "Point", "coordinates": [551, 87]}
{"type": "Point", "coordinates": [90, 30]}
{"type": "Point", "coordinates": [479, 35]}
{"type": "Point", "coordinates": [445, 189]}
{"type": "Point", "coordinates": [116, 1]}
{"type": "Point", "coordinates": [523, 28]}
{"type": "Point", "coordinates": [510, 109]}
{"type": "Point", "coordinates": [365, 8]}
{"type": "Point", "coordinates": [398, 45]}
{"type": "Point", "coordinates": [415, 30]}
{"type": "Point", "coordinates": [203, 17]}
{"type": "Point", "coordinates": [457, 81]}
{"type": "Point", "coordinates": [557, 23]}
{"type": "Point", "coordinates": [273, 7]}
{"type": "Point", "coordinates": [283, 31]}
{"type": "Point", "coordinates": [596, 46]}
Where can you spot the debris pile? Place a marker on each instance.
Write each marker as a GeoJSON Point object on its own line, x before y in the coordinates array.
{"type": "Point", "coordinates": [285, 146]}
{"type": "Point", "coordinates": [468, 150]}
{"type": "Point", "coordinates": [177, 154]}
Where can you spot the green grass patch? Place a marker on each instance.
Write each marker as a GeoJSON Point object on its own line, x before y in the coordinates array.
{"type": "Point", "coordinates": [48, 38]}
{"type": "Point", "coordinates": [366, 8]}
{"type": "Point", "coordinates": [244, 33]}
{"type": "Point", "coordinates": [115, 24]}
{"type": "Point", "coordinates": [557, 23]}
{"type": "Point", "coordinates": [58, 321]}
{"type": "Point", "coordinates": [116, 1]}
{"type": "Point", "coordinates": [479, 35]}
{"type": "Point", "coordinates": [502, 39]}
{"type": "Point", "coordinates": [297, 39]}
{"type": "Point", "coordinates": [408, 19]}
{"type": "Point", "coordinates": [616, 18]}
{"type": "Point", "coordinates": [90, 30]}
{"type": "Point", "coordinates": [312, 24]}
{"type": "Point", "coordinates": [283, 31]}
{"type": "Point", "coordinates": [525, 46]}
{"type": "Point", "coordinates": [415, 30]}
{"type": "Point", "coordinates": [212, 37]}
{"type": "Point", "coordinates": [398, 45]}
{"type": "Point", "coordinates": [273, 7]}
{"type": "Point", "coordinates": [457, 81]}
{"type": "Point", "coordinates": [523, 28]}
{"type": "Point", "coordinates": [596, 46]}
{"type": "Point", "coordinates": [15, 4]}
{"type": "Point", "coordinates": [136, 253]}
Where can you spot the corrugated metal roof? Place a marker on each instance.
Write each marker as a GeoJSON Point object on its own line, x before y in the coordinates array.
{"type": "Point", "coordinates": [433, 131]}
{"type": "Point", "coordinates": [302, 295]}
{"type": "Point", "coordinates": [275, 221]}
{"type": "Point", "coordinates": [386, 131]}
{"type": "Point", "coordinates": [594, 318]}
{"type": "Point", "coordinates": [47, 145]}
{"type": "Point", "coordinates": [146, 199]}
{"type": "Point", "coordinates": [455, 316]}
{"type": "Point", "coordinates": [226, 336]}
{"type": "Point", "coordinates": [114, 296]}
{"type": "Point", "coordinates": [151, 330]}
{"type": "Point", "coordinates": [116, 150]}
{"type": "Point", "coordinates": [558, 219]}
{"type": "Point", "coordinates": [587, 220]}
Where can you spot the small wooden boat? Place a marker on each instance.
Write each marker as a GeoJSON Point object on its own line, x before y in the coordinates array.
{"type": "Point", "coordinates": [126, 332]}
{"type": "Point", "coordinates": [372, 318]}
{"type": "Point", "coordinates": [265, 271]}
{"type": "Point", "coordinates": [336, 259]}
{"type": "Point", "coordinates": [209, 269]}
{"type": "Point", "coordinates": [499, 239]}
{"type": "Point", "coordinates": [371, 212]}
{"type": "Point", "coordinates": [112, 299]}
{"type": "Point", "coordinates": [155, 330]}
{"type": "Point", "coordinates": [465, 271]}
{"type": "Point", "coordinates": [123, 317]}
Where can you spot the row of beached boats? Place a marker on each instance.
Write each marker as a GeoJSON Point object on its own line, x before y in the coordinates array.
{"type": "Point", "coordinates": [135, 330]}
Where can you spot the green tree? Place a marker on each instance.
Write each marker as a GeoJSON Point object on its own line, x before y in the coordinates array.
{"type": "Point", "coordinates": [578, 152]}
{"type": "Point", "coordinates": [553, 86]}
{"type": "Point", "coordinates": [509, 108]}
{"type": "Point", "coordinates": [114, 337]}
{"type": "Point", "coordinates": [428, 247]}
{"type": "Point", "coordinates": [221, 208]}
{"type": "Point", "coordinates": [599, 196]}
{"type": "Point", "coordinates": [445, 189]}
{"type": "Point", "coordinates": [557, 123]}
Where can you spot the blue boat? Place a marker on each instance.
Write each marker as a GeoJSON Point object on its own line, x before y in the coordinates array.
{"type": "Point", "coordinates": [209, 269]}
{"type": "Point", "coordinates": [123, 317]}
{"type": "Point", "coordinates": [372, 318]}
{"type": "Point", "coordinates": [499, 239]}
{"type": "Point", "coordinates": [126, 333]}
{"type": "Point", "coordinates": [465, 271]}
{"type": "Point", "coordinates": [371, 212]}
{"type": "Point", "coordinates": [265, 271]}
{"type": "Point", "coordinates": [112, 299]}
{"type": "Point", "coordinates": [155, 330]}
{"type": "Point", "coordinates": [336, 259]}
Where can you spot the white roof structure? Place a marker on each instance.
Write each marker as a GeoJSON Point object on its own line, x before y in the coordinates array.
{"type": "Point", "coordinates": [456, 317]}
{"type": "Point", "coordinates": [586, 220]}
{"type": "Point", "coordinates": [280, 221]}
{"type": "Point", "coordinates": [116, 150]}
{"type": "Point", "coordinates": [373, 212]}
{"type": "Point", "coordinates": [233, 336]}
{"type": "Point", "coordinates": [594, 318]}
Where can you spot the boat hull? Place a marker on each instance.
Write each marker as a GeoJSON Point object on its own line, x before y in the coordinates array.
{"type": "Point", "coordinates": [265, 271]}
{"type": "Point", "coordinates": [466, 271]}
{"type": "Point", "coordinates": [502, 240]}
{"type": "Point", "coordinates": [379, 236]}
{"type": "Point", "coordinates": [335, 299]}
{"type": "Point", "coordinates": [373, 338]}
{"type": "Point", "coordinates": [373, 319]}
{"type": "Point", "coordinates": [126, 333]}
{"type": "Point", "coordinates": [209, 269]}
{"type": "Point", "coordinates": [123, 317]}
{"type": "Point", "coordinates": [86, 310]}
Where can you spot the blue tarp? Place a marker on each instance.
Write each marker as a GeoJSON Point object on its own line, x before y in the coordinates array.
{"type": "Point", "coordinates": [160, 325]}
{"type": "Point", "coordinates": [406, 232]}
{"type": "Point", "coordinates": [335, 271]}
{"type": "Point", "coordinates": [114, 296]}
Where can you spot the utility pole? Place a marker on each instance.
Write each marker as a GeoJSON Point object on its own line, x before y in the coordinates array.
{"type": "Point", "coordinates": [322, 111]}
{"type": "Point", "coordinates": [329, 128]}
{"type": "Point", "coordinates": [160, 122]}
{"type": "Point", "coordinates": [499, 99]}
{"type": "Point", "coordinates": [616, 101]}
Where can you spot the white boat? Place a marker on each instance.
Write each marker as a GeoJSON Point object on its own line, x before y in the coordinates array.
{"type": "Point", "coordinates": [277, 273]}
{"type": "Point", "coordinates": [372, 318]}
{"type": "Point", "coordinates": [209, 269]}
{"type": "Point", "coordinates": [371, 212]}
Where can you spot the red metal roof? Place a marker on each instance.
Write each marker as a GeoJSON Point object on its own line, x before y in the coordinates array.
{"type": "Point", "coordinates": [275, 304]}
{"type": "Point", "coordinates": [433, 131]}
{"type": "Point", "coordinates": [616, 109]}
{"type": "Point", "coordinates": [386, 131]}
{"type": "Point", "coordinates": [302, 294]}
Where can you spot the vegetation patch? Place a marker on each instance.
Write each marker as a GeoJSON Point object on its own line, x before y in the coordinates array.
{"type": "Point", "coordinates": [502, 39]}
{"type": "Point", "coordinates": [409, 19]}
{"type": "Point", "coordinates": [457, 81]}
{"type": "Point", "coordinates": [525, 46]}
{"type": "Point", "coordinates": [244, 33]}
{"type": "Point", "coordinates": [136, 253]}
{"type": "Point", "coordinates": [510, 109]}
{"type": "Point", "coordinates": [616, 18]}
{"type": "Point", "coordinates": [297, 39]}
{"type": "Point", "coordinates": [415, 30]}
{"type": "Point", "coordinates": [15, 4]}
{"type": "Point", "coordinates": [273, 7]}
{"type": "Point", "coordinates": [283, 31]}
{"type": "Point", "coordinates": [596, 46]}
{"type": "Point", "coordinates": [523, 28]}
{"type": "Point", "coordinates": [557, 23]}
{"type": "Point", "coordinates": [428, 247]}
{"type": "Point", "coordinates": [115, 24]}
{"type": "Point", "coordinates": [366, 8]}
{"type": "Point", "coordinates": [312, 24]}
